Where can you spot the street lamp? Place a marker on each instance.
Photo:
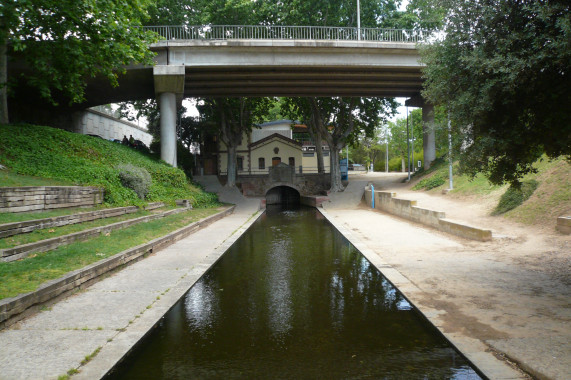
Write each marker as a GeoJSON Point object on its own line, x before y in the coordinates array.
{"type": "Point", "coordinates": [358, 20]}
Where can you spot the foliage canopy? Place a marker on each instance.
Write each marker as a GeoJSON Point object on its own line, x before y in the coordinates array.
{"type": "Point", "coordinates": [68, 41]}
{"type": "Point", "coordinates": [503, 70]}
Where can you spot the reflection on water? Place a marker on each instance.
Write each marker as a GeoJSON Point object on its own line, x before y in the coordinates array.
{"type": "Point", "coordinates": [293, 299]}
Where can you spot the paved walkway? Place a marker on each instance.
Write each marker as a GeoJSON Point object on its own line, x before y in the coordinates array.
{"type": "Point", "coordinates": [117, 311]}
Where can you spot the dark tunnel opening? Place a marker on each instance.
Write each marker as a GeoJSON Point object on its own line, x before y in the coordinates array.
{"type": "Point", "coordinates": [282, 195]}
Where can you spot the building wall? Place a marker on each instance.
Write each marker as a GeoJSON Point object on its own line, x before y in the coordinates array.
{"type": "Point", "coordinates": [266, 151]}
{"type": "Point", "coordinates": [310, 163]}
{"type": "Point", "coordinates": [91, 122]}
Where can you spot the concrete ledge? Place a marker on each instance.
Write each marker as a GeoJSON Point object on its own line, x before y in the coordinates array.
{"type": "Point", "coordinates": [154, 205]}
{"type": "Point", "coordinates": [21, 251]}
{"type": "Point", "coordinates": [12, 308]}
{"type": "Point", "coordinates": [11, 229]}
{"type": "Point", "coordinates": [386, 201]}
{"type": "Point", "coordinates": [464, 230]}
{"type": "Point", "coordinates": [564, 225]}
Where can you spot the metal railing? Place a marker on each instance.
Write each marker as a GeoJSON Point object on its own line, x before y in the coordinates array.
{"type": "Point", "coordinates": [299, 169]}
{"type": "Point", "coordinates": [263, 32]}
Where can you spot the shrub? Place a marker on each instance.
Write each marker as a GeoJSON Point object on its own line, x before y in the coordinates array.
{"type": "Point", "coordinates": [430, 183]}
{"type": "Point", "coordinates": [515, 196]}
{"type": "Point", "coordinates": [136, 179]}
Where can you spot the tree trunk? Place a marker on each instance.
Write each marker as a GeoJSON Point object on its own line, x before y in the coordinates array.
{"type": "Point", "coordinates": [231, 166]}
{"type": "Point", "coordinates": [336, 185]}
{"type": "Point", "coordinates": [403, 164]}
{"type": "Point", "coordinates": [319, 151]}
{"type": "Point", "coordinates": [3, 80]}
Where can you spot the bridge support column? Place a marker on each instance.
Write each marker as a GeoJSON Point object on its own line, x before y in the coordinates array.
{"type": "Point", "coordinates": [169, 87]}
{"type": "Point", "coordinates": [167, 107]}
{"type": "Point", "coordinates": [428, 127]}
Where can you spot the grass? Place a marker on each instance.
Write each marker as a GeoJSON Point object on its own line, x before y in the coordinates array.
{"type": "Point", "coordinates": [28, 274]}
{"type": "Point", "coordinates": [9, 179]}
{"type": "Point", "coordinates": [12, 217]}
{"type": "Point", "coordinates": [514, 196]}
{"type": "Point", "coordinates": [551, 199]}
{"type": "Point", "coordinates": [70, 158]}
{"type": "Point", "coordinates": [48, 233]}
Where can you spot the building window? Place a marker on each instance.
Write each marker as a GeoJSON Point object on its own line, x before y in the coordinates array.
{"type": "Point", "coordinates": [276, 161]}
{"type": "Point", "coordinates": [240, 163]}
{"type": "Point", "coordinates": [325, 154]}
{"type": "Point", "coordinates": [292, 161]}
{"type": "Point", "coordinates": [261, 163]}
{"type": "Point", "coordinates": [308, 154]}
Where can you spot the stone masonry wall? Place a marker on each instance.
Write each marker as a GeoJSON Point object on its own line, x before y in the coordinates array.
{"type": "Point", "coordinates": [40, 198]}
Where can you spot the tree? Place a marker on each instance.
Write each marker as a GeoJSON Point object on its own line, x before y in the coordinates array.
{"type": "Point", "coordinates": [340, 120]}
{"type": "Point", "coordinates": [234, 117]}
{"type": "Point", "coordinates": [67, 41]}
{"type": "Point", "coordinates": [503, 71]}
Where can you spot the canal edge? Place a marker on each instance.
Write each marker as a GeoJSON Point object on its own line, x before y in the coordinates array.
{"type": "Point", "coordinates": [112, 353]}
{"type": "Point", "coordinates": [476, 352]}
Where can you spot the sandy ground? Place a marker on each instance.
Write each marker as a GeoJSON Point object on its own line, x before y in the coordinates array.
{"type": "Point", "coordinates": [513, 294]}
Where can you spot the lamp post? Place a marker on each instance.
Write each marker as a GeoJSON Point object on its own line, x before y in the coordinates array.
{"type": "Point", "coordinates": [451, 181]}
{"type": "Point", "coordinates": [358, 20]}
{"type": "Point", "coordinates": [407, 145]}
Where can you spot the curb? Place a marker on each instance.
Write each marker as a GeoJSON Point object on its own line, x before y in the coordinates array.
{"type": "Point", "coordinates": [16, 308]}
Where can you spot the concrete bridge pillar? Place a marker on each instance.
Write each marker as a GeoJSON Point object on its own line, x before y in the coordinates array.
{"type": "Point", "coordinates": [428, 127]}
{"type": "Point", "coordinates": [167, 106]}
{"type": "Point", "coordinates": [169, 88]}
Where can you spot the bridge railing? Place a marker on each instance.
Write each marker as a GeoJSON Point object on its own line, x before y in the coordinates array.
{"type": "Point", "coordinates": [266, 32]}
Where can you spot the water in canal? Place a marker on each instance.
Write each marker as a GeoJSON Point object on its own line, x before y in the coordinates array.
{"type": "Point", "coordinates": [293, 299]}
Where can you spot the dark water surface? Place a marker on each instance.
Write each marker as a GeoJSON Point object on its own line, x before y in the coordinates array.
{"type": "Point", "coordinates": [293, 299]}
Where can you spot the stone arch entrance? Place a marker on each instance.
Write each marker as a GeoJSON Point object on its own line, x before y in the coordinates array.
{"type": "Point", "coordinates": [282, 195]}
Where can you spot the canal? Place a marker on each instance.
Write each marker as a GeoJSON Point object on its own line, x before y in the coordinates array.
{"type": "Point", "coordinates": [293, 299]}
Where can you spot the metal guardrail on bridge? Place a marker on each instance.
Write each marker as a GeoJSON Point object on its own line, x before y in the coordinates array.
{"type": "Point", "coordinates": [266, 32]}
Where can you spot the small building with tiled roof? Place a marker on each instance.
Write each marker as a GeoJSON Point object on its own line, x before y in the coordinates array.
{"type": "Point", "coordinates": [281, 141]}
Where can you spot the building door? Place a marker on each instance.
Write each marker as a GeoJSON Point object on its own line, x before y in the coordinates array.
{"type": "Point", "coordinates": [276, 161]}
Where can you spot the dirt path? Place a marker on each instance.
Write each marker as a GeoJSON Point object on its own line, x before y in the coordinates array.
{"type": "Point", "coordinates": [512, 294]}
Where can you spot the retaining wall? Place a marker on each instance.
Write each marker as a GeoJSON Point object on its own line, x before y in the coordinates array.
{"type": "Point", "coordinates": [564, 224]}
{"type": "Point", "coordinates": [313, 200]}
{"type": "Point", "coordinates": [387, 202]}
{"type": "Point", "coordinates": [41, 198]}
{"type": "Point", "coordinates": [16, 228]}
{"type": "Point", "coordinates": [13, 309]}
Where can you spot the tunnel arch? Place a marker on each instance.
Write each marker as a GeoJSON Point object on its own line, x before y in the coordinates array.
{"type": "Point", "coordinates": [282, 195]}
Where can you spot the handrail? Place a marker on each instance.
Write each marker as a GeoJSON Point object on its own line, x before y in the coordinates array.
{"type": "Point", "coordinates": [267, 32]}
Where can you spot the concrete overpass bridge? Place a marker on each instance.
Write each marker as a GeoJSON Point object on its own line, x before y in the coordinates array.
{"type": "Point", "coordinates": [220, 61]}
{"type": "Point", "coordinates": [226, 61]}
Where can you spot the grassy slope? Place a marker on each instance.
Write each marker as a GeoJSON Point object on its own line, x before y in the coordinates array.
{"type": "Point", "coordinates": [551, 199]}
{"type": "Point", "coordinates": [60, 157]}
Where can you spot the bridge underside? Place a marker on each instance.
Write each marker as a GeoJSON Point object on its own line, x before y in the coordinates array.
{"type": "Point", "coordinates": [301, 81]}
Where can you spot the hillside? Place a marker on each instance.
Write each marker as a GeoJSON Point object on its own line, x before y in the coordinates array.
{"type": "Point", "coordinates": [35, 155]}
{"type": "Point", "coordinates": [551, 198]}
